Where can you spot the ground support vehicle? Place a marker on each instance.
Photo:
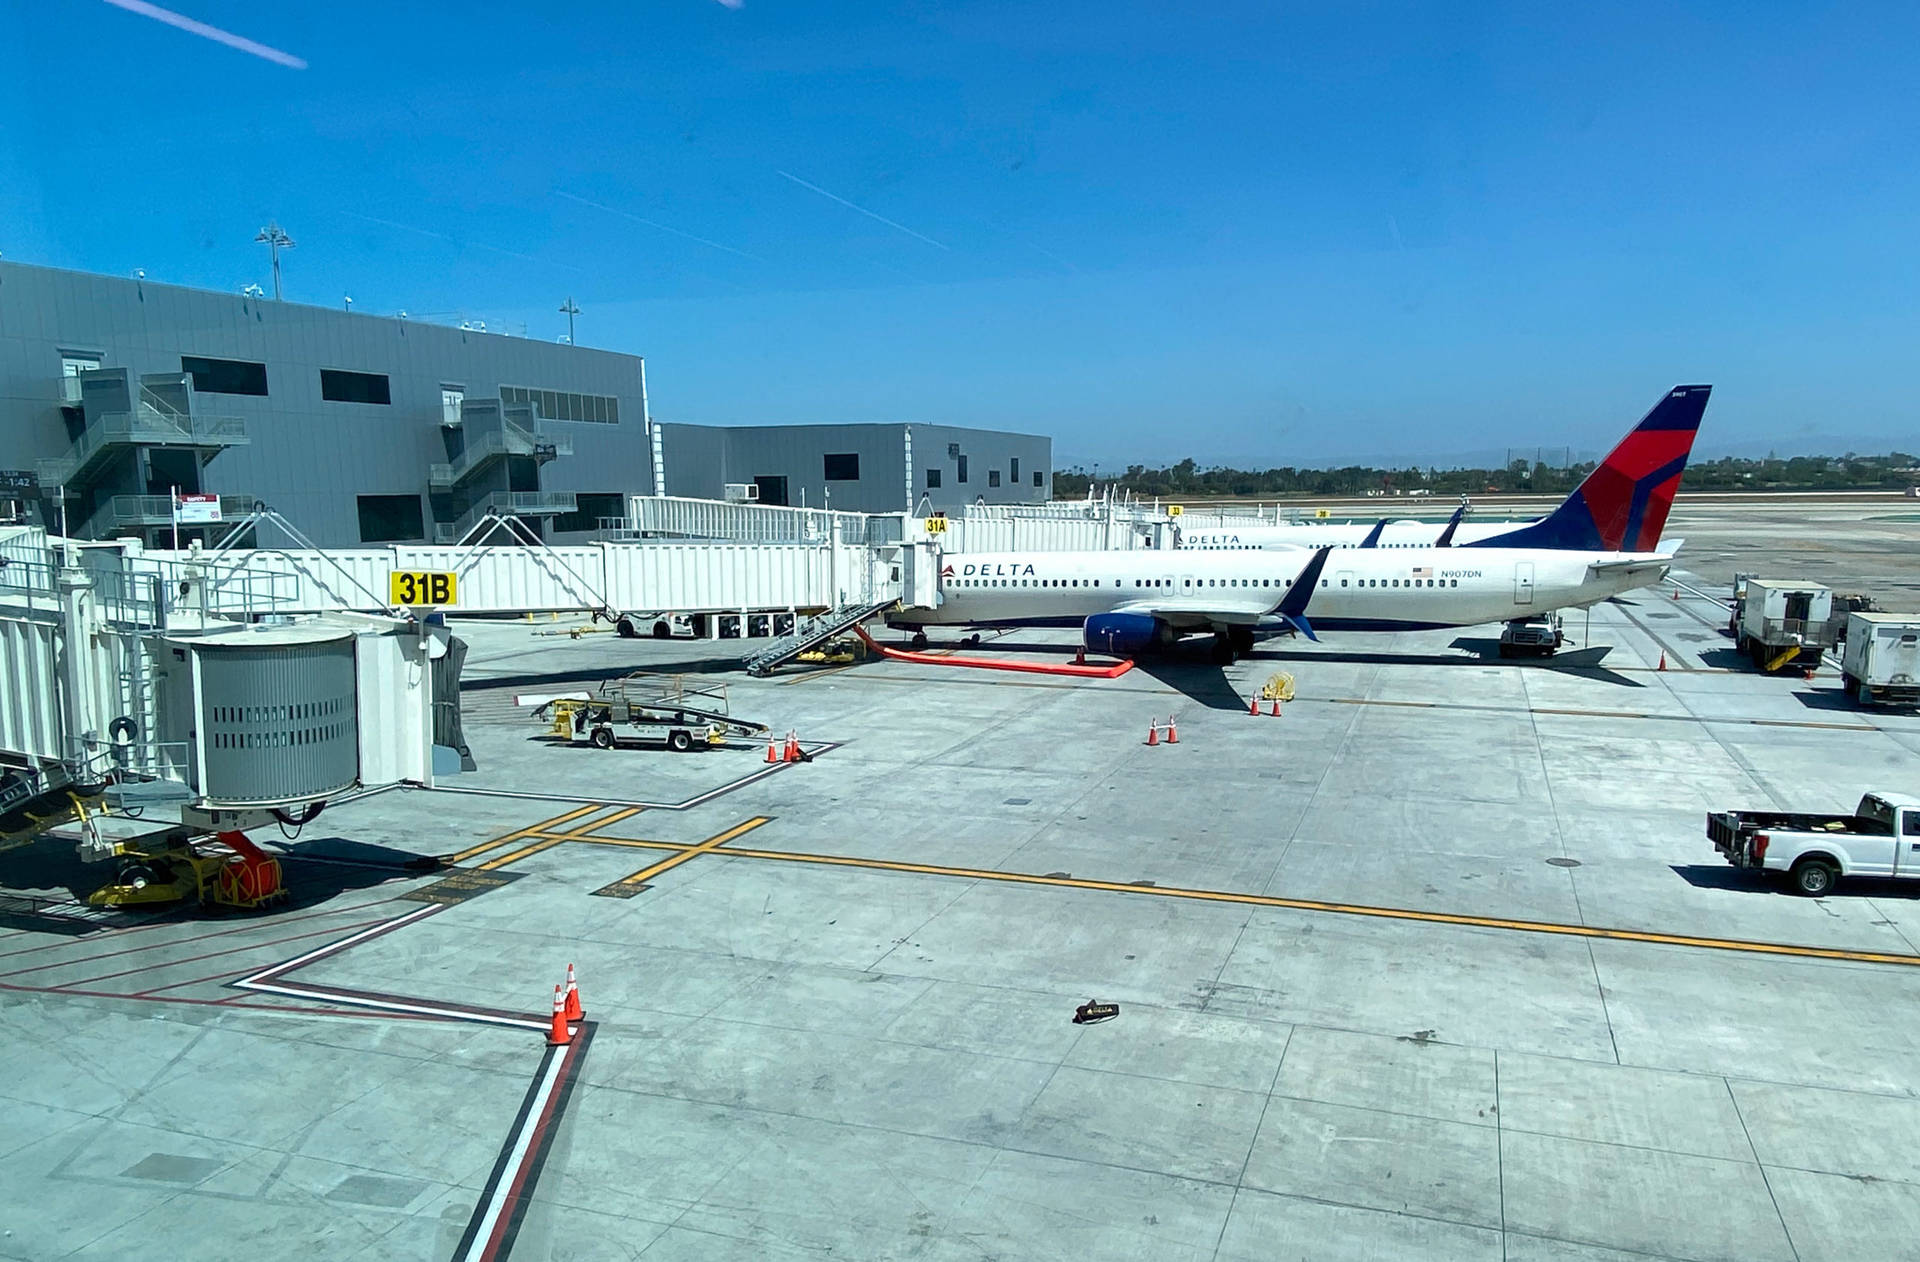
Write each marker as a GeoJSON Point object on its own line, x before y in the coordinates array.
{"type": "Point", "coordinates": [1881, 838]}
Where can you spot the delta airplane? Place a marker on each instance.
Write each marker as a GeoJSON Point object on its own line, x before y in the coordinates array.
{"type": "Point", "coordinates": [1652, 456]}
{"type": "Point", "coordinates": [1603, 540]}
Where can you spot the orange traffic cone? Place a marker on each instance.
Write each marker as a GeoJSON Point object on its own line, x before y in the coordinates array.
{"type": "Point", "coordinates": [1153, 733]}
{"type": "Point", "coordinates": [1173, 733]}
{"type": "Point", "coordinates": [793, 748]}
{"type": "Point", "coordinates": [1275, 712]}
{"type": "Point", "coordinates": [1676, 593]}
{"type": "Point", "coordinates": [558, 1035]}
{"type": "Point", "coordinates": [773, 751]}
{"type": "Point", "coordinates": [1663, 660]}
{"type": "Point", "coordinates": [1253, 707]}
{"type": "Point", "coordinates": [574, 1011]}
{"type": "Point", "coordinates": [1079, 657]}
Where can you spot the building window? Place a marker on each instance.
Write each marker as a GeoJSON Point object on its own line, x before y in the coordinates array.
{"type": "Point", "coordinates": [960, 475]}
{"type": "Point", "coordinates": [1038, 478]}
{"type": "Point", "coordinates": [72, 364]}
{"type": "Point", "coordinates": [451, 397]}
{"type": "Point", "coordinates": [933, 479]}
{"type": "Point", "coordinates": [993, 477]}
{"type": "Point", "coordinates": [225, 376]}
{"type": "Point", "coordinates": [590, 508]}
{"type": "Point", "coordinates": [337, 385]}
{"type": "Point", "coordinates": [842, 467]}
{"type": "Point", "coordinates": [390, 518]}
{"type": "Point", "coordinates": [1013, 471]}
{"type": "Point", "coordinates": [560, 405]}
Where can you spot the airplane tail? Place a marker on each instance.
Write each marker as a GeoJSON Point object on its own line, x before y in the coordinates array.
{"type": "Point", "coordinates": [1622, 505]}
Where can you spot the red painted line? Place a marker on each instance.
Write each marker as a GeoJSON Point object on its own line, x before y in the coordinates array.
{"type": "Point", "coordinates": [192, 959]}
{"type": "Point", "coordinates": [451, 1011]}
{"type": "Point", "coordinates": [274, 971]}
{"type": "Point", "coordinates": [507, 1225]}
{"type": "Point", "coordinates": [1088, 671]}
{"type": "Point", "coordinates": [161, 924]}
{"type": "Point", "coordinates": [203, 1003]}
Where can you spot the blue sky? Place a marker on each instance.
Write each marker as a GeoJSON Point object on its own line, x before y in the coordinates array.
{"type": "Point", "coordinates": [1264, 233]}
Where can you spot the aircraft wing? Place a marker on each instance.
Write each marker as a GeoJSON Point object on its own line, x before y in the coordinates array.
{"type": "Point", "coordinates": [1198, 613]}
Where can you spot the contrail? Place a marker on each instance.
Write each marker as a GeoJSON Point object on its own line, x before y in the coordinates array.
{"type": "Point", "coordinates": [863, 210]}
{"type": "Point", "coordinates": [614, 210]}
{"type": "Point", "coordinates": [478, 245]}
{"type": "Point", "coordinates": [213, 33]}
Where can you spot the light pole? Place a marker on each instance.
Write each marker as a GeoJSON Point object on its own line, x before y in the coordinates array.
{"type": "Point", "coordinates": [570, 310]}
{"type": "Point", "coordinates": [275, 240]}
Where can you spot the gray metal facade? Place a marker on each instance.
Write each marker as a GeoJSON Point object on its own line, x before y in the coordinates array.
{"type": "Point", "coordinates": [894, 463]}
{"type": "Point", "coordinates": [121, 437]}
{"type": "Point", "coordinates": [306, 455]}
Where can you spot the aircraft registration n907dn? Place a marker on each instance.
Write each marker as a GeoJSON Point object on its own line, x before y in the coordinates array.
{"type": "Point", "coordinates": [1129, 602]}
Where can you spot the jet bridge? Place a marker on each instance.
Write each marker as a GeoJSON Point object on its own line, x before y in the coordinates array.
{"type": "Point", "coordinates": [119, 695]}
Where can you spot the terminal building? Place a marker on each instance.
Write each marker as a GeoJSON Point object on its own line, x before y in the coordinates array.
{"type": "Point", "coordinates": [117, 395]}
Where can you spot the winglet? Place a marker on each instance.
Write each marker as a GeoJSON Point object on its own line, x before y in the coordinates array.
{"type": "Point", "coordinates": [1373, 536]}
{"type": "Point", "coordinates": [1293, 605]}
{"type": "Point", "coordinates": [1453, 523]}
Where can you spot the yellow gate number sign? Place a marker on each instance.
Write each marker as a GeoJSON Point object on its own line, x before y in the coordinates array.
{"type": "Point", "coordinates": [937, 524]}
{"type": "Point", "coordinates": [421, 587]}
{"type": "Point", "coordinates": [1174, 510]}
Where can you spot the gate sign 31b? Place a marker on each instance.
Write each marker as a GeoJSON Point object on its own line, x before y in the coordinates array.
{"type": "Point", "coordinates": [415, 588]}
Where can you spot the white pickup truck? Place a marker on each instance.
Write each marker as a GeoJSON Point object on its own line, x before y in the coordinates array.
{"type": "Point", "coordinates": [1881, 838]}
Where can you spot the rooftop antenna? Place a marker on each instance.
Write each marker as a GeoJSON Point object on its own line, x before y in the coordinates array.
{"type": "Point", "coordinates": [348, 299]}
{"type": "Point", "coordinates": [570, 310]}
{"type": "Point", "coordinates": [275, 240]}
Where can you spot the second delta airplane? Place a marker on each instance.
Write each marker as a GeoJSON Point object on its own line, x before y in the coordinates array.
{"type": "Point", "coordinates": [1601, 541]}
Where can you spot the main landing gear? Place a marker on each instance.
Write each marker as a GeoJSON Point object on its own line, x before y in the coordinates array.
{"type": "Point", "coordinates": [1232, 642]}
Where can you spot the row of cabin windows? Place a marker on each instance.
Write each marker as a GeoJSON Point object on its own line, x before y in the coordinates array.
{"type": "Point", "coordinates": [1188, 582]}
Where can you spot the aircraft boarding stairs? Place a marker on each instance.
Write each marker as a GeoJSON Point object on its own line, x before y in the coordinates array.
{"type": "Point", "coordinates": [812, 633]}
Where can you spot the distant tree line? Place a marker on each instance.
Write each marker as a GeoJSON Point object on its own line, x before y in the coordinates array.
{"type": "Point", "coordinates": [1851, 472]}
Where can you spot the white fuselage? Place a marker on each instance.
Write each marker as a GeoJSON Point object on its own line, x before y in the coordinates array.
{"type": "Point", "coordinates": [1358, 589]}
{"type": "Point", "coordinates": [1317, 534]}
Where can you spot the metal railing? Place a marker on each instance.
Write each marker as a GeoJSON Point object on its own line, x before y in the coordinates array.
{"type": "Point", "coordinates": [494, 444]}
{"type": "Point", "coordinates": [145, 426]}
{"type": "Point", "coordinates": [507, 504]}
{"type": "Point", "coordinates": [682, 517]}
{"type": "Point", "coordinates": [157, 510]}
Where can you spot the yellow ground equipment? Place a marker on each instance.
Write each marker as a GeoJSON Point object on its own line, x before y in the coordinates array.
{"type": "Point", "coordinates": [226, 870]}
{"type": "Point", "coordinates": [1278, 688]}
{"type": "Point", "coordinates": [836, 652]}
{"type": "Point", "coordinates": [33, 802]}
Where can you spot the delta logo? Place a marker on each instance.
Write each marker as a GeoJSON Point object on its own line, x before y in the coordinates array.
{"type": "Point", "coordinates": [946, 571]}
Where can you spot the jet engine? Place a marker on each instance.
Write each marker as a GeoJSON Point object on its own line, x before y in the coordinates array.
{"type": "Point", "coordinates": [1124, 634]}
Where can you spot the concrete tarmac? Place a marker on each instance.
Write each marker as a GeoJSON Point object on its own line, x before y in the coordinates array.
{"type": "Point", "coordinates": [1438, 964]}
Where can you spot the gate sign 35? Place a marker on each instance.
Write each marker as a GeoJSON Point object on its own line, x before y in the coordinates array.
{"type": "Point", "coordinates": [420, 587]}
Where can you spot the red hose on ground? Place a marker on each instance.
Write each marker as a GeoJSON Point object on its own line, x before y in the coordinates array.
{"type": "Point", "coordinates": [1113, 671]}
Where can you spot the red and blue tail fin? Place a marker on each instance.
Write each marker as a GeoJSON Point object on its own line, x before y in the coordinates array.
{"type": "Point", "coordinates": [1622, 505]}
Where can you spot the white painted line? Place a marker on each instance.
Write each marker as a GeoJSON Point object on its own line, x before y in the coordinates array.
{"type": "Point", "coordinates": [391, 1005]}
{"type": "Point", "coordinates": [321, 952]}
{"type": "Point", "coordinates": [522, 1145]}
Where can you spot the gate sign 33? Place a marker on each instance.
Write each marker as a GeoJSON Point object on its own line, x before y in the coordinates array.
{"type": "Point", "coordinates": [415, 588]}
